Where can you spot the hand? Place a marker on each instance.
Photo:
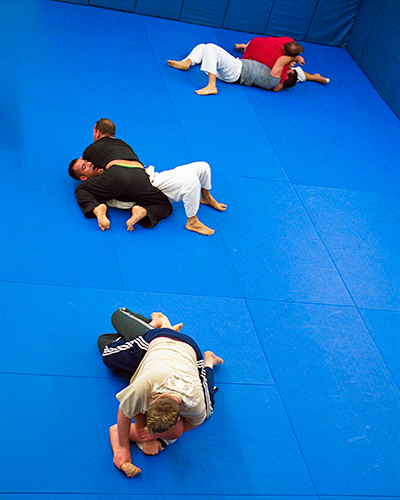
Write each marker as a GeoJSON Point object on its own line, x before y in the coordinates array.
{"type": "Point", "coordinates": [177, 327]}
{"type": "Point", "coordinates": [121, 456]}
{"type": "Point", "coordinates": [151, 447]}
{"type": "Point", "coordinates": [300, 60]}
{"type": "Point", "coordinates": [145, 435]}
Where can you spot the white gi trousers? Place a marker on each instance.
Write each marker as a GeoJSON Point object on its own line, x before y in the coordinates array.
{"type": "Point", "coordinates": [182, 183]}
{"type": "Point", "coordinates": [217, 61]}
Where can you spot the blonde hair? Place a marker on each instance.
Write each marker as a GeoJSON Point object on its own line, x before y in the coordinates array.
{"type": "Point", "coordinates": [162, 415]}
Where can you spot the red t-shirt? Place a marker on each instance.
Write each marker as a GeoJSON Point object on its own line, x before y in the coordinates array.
{"type": "Point", "coordinates": [267, 50]}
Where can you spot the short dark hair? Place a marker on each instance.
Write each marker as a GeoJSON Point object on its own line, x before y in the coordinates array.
{"type": "Point", "coordinates": [291, 80]}
{"type": "Point", "coordinates": [292, 49]}
{"type": "Point", "coordinates": [105, 127]}
{"type": "Point", "coordinates": [71, 170]}
{"type": "Point", "coordinates": [162, 415]}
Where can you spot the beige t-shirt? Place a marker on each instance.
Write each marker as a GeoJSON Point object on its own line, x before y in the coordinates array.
{"type": "Point", "coordinates": [169, 367]}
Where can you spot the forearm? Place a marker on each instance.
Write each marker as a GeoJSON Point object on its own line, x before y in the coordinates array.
{"type": "Point", "coordinates": [86, 201]}
{"type": "Point", "coordinates": [280, 64]}
{"type": "Point", "coordinates": [124, 425]}
{"type": "Point", "coordinates": [278, 87]}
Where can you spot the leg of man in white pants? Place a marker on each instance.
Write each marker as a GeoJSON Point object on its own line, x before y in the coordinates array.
{"type": "Point", "coordinates": [215, 61]}
{"type": "Point", "coordinates": [190, 183]}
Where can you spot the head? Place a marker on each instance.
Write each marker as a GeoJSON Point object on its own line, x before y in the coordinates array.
{"type": "Point", "coordinates": [291, 79]}
{"type": "Point", "coordinates": [103, 127]}
{"type": "Point", "coordinates": [162, 414]}
{"type": "Point", "coordinates": [292, 49]}
{"type": "Point", "coordinates": [82, 170]}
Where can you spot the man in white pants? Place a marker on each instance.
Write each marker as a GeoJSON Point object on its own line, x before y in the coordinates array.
{"type": "Point", "coordinates": [189, 183]}
{"type": "Point", "coordinates": [218, 63]}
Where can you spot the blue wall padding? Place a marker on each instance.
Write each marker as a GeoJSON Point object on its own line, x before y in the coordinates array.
{"type": "Point", "coordinates": [204, 12]}
{"type": "Point", "coordinates": [128, 5]}
{"type": "Point", "coordinates": [381, 47]}
{"type": "Point", "coordinates": [291, 18]}
{"type": "Point", "coordinates": [361, 28]}
{"type": "Point", "coordinates": [251, 17]}
{"type": "Point", "coordinates": [169, 9]}
{"type": "Point", "coordinates": [340, 20]}
{"type": "Point", "coordinates": [373, 45]}
{"type": "Point", "coordinates": [395, 102]}
{"type": "Point", "coordinates": [319, 21]}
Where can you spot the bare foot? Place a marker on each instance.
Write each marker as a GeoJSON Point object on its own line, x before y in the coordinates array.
{"type": "Point", "coordinates": [193, 224]}
{"type": "Point", "coordinates": [156, 322]}
{"type": "Point", "coordinates": [137, 214]}
{"type": "Point", "coordinates": [209, 90]}
{"type": "Point", "coordinates": [101, 214]}
{"type": "Point", "coordinates": [240, 46]}
{"type": "Point", "coordinates": [184, 65]}
{"type": "Point", "coordinates": [159, 320]}
{"type": "Point", "coordinates": [210, 359]}
{"type": "Point", "coordinates": [321, 79]}
{"type": "Point", "coordinates": [207, 199]}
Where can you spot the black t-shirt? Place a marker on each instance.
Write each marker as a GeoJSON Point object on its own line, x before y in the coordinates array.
{"type": "Point", "coordinates": [107, 149]}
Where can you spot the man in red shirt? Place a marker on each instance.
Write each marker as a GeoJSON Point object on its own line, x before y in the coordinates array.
{"type": "Point", "coordinates": [267, 50]}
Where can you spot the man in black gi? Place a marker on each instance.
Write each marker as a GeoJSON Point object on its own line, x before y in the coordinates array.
{"type": "Point", "coordinates": [126, 181]}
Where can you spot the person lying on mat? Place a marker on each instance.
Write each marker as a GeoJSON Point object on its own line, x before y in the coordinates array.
{"type": "Point", "coordinates": [218, 63]}
{"type": "Point", "coordinates": [171, 387]}
{"type": "Point", "coordinates": [266, 50]}
{"type": "Point", "coordinates": [190, 183]}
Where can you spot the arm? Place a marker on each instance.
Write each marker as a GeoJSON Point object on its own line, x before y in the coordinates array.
{"type": "Point", "coordinates": [150, 444]}
{"type": "Point", "coordinates": [87, 201]}
{"type": "Point", "coordinates": [122, 454]}
{"type": "Point", "coordinates": [188, 427]}
{"type": "Point", "coordinates": [280, 65]}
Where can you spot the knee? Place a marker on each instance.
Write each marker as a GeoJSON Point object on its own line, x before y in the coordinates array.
{"type": "Point", "coordinates": [209, 47]}
{"type": "Point", "coordinates": [205, 167]}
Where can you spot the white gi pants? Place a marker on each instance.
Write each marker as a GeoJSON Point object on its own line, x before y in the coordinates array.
{"type": "Point", "coordinates": [184, 183]}
{"type": "Point", "coordinates": [181, 183]}
{"type": "Point", "coordinates": [217, 61]}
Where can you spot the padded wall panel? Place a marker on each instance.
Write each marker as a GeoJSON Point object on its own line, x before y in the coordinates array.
{"type": "Point", "coordinates": [204, 12]}
{"type": "Point", "coordinates": [291, 19]}
{"type": "Point", "coordinates": [380, 49]}
{"type": "Point", "coordinates": [128, 5]}
{"type": "Point", "coordinates": [245, 16]}
{"type": "Point", "coordinates": [332, 25]}
{"type": "Point", "coordinates": [168, 9]}
{"type": "Point", "coordinates": [395, 102]}
{"type": "Point", "coordinates": [362, 26]}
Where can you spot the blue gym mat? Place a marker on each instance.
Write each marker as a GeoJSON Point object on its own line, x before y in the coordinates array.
{"type": "Point", "coordinates": [297, 290]}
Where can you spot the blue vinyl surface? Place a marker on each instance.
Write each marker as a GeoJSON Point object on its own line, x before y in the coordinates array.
{"type": "Point", "coordinates": [297, 290]}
